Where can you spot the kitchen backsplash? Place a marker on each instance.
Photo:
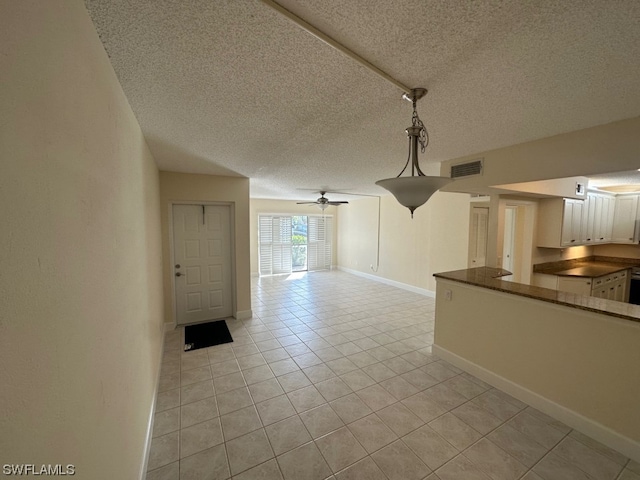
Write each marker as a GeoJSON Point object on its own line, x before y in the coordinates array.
{"type": "Point", "coordinates": [545, 255]}
{"type": "Point", "coordinates": [626, 251]}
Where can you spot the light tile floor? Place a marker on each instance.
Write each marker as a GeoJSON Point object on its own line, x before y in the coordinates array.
{"type": "Point", "coordinates": [334, 377]}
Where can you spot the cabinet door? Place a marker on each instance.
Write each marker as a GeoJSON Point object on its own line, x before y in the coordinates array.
{"type": "Point", "coordinates": [602, 292]}
{"type": "Point", "coordinates": [579, 285]}
{"type": "Point", "coordinates": [576, 221]}
{"type": "Point", "coordinates": [584, 231]}
{"type": "Point", "coordinates": [598, 287]}
{"type": "Point", "coordinates": [619, 294]}
{"type": "Point", "coordinates": [590, 219]}
{"type": "Point", "coordinates": [571, 222]}
{"type": "Point", "coordinates": [598, 232]}
{"type": "Point", "coordinates": [624, 219]}
{"type": "Point", "coordinates": [567, 223]}
{"type": "Point", "coordinates": [624, 280]}
{"type": "Point", "coordinates": [608, 212]}
{"type": "Point", "coordinates": [605, 206]}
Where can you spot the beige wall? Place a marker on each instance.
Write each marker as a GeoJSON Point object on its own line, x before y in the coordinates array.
{"type": "Point", "coordinates": [81, 309]}
{"type": "Point", "coordinates": [604, 149]}
{"type": "Point", "coordinates": [186, 187]}
{"type": "Point", "coordinates": [587, 362]}
{"type": "Point", "coordinates": [286, 207]}
{"type": "Point", "coordinates": [411, 250]}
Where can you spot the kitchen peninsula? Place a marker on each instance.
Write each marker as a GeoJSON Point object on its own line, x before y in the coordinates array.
{"type": "Point", "coordinates": [575, 357]}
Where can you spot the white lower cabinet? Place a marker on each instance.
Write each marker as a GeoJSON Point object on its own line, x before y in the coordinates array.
{"type": "Point", "coordinates": [612, 287]}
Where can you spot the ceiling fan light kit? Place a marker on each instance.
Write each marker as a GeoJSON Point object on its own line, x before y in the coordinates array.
{"type": "Point", "coordinates": [414, 190]}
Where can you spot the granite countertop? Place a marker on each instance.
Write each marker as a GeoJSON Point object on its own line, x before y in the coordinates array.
{"type": "Point", "coordinates": [586, 266]}
{"type": "Point", "coordinates": [488, 277]}
{"type": "Point", "coordinates": [595, 269]}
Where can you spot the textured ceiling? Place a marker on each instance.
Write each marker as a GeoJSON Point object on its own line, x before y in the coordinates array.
{"type": "Point", "coordinates": [231, 87]}
{"type": "Point", "coordinates": [618, 181]}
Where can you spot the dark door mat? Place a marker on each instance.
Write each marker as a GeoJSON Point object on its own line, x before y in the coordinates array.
{"type": "Point", "coordinates": [206, 335]}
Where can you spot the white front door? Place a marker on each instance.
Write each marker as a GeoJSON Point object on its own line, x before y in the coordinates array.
{"type": "Point", "coordinates": [202, 268]}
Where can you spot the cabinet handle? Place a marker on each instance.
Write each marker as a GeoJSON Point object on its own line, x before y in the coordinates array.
{"type": "Point", "coordinates": [572, 241]}
{"type": "Point", "coordinates": [588, 283]}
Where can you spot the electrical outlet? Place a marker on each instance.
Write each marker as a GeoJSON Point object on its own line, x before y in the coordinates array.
{"type": "Point", "coordinates": [448, 295]}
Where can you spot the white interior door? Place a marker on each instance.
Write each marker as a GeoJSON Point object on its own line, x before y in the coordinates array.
{"type": "Point", "coordinates": [508, 249]}
{"type": "Point", "coordinates": [478, 236]}
{"type": "Point", "coordinates": [202, 255]}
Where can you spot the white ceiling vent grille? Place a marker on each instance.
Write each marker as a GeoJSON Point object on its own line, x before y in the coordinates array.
{"type": "Point", "coordinates": [467, 169]}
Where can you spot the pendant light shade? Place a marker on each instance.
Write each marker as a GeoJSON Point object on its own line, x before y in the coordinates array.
{"type": "Point", "coordinates": [414, 190]}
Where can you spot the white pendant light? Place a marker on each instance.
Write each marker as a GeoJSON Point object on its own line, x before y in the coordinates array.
{"type": "Point", "coordinates": [414, 191]}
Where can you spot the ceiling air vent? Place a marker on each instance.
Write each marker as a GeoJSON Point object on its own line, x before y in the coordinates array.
{"type": "Point", "coordinates": [467, 169]}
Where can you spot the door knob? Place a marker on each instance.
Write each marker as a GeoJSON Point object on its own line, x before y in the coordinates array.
{"type": "Point", "coordinates": [178, 274]}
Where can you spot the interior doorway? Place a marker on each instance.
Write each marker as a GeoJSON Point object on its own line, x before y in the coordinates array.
{"type": "Point", "coordinates": [517, 239]}
{"type": "Point", "coordinates": [478, 236]}
{"type": "Point", "coordinates": [508, 245]}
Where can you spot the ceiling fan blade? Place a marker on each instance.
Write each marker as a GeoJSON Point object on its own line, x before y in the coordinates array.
{"type": "Point", "coordinates": [306, 203]}
{"type": "Point", "coordinates": [337, 203]}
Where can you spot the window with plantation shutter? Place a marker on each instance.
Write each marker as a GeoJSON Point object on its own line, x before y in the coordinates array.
{"type": "Point", "coordinates": [320, 233]}
{"type": "Point", "coordinates": [265, 239]}
{"type": "Point", "coordinates": [275, 243]}
{"type": "Point", "coordinates": [274, 239]}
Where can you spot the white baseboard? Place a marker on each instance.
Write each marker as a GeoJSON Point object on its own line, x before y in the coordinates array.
{"type": "Point", "coordinates": [243, 314]}
{"type": "Point", "coordinates": [597, 431]}
{"type": "Point", "coordinates": [393, 283]}
{"type": "Point", "coordinates": [147, 443]}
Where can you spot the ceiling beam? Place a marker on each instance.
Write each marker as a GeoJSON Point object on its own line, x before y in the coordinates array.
{"type": "Point", "coordinates": [335, 44]}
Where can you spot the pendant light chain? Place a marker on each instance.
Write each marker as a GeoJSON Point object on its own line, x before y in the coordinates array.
{"type": "Point", "coordinates": [423, 139]}
{"type": "Point", "coordinates": [414, 190]}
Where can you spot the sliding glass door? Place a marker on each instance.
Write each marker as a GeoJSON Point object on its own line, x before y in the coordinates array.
{"type": "Point", "coordinates": [299, 243]}
{"type": "Point", "coordinates": [294, 243]}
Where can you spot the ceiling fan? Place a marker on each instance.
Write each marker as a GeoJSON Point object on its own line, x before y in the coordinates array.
{"type": "Point", "coordinates": [322, 202]}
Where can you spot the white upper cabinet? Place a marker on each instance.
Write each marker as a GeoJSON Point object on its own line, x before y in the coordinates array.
{"type": "Point", "coordinates": [560, 222]}
{"type": "Point", "coordinates": [624, 219]}
{"type": "Point", "coordinates": [599, 216]}
{"type": "Point", "coordinates": [571, 222]}
{"type": "Point", "coordinates": [565, 222]}
{"type": "Point", "coordinates": [606, 219]}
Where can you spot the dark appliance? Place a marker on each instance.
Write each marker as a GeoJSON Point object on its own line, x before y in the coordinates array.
{"type": "Point", "coordinates": [634, 289]}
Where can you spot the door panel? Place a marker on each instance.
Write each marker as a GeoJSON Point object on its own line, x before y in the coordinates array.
{"type": "Point", "coordinates": [202, 248]}
{"type": "Point", "coordinates": [478, 235]}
